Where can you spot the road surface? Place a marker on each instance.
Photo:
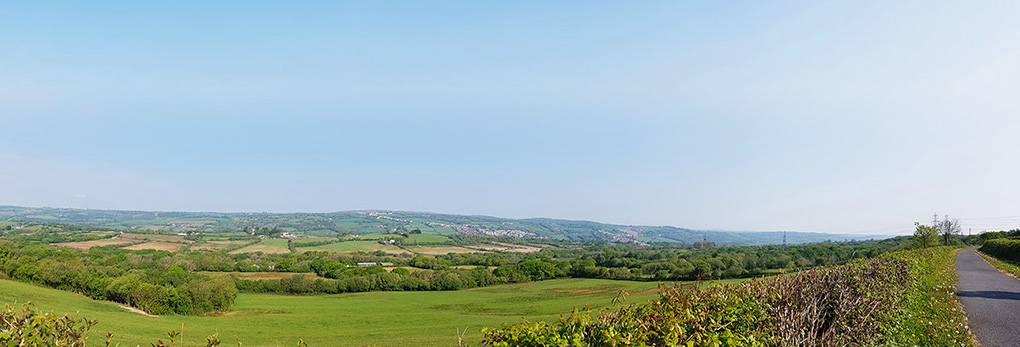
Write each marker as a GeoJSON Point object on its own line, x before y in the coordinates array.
{"type": "Point", "coordinates": [991, 300]}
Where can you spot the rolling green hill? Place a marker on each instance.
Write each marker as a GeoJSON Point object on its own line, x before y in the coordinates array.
{"type": "Point", "coordinates": [377, 222]}
{"type": "Point", "coordinates": [356, 319]}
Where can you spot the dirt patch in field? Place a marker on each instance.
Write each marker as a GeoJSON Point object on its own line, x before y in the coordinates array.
{"type": "Point", "coordinates": [267, 249]}
{"type": "Point", "coordinates": [159, 246]}
{"type": "Point", "coordinates": [84, 245]}
{"type": "Point", "coordinates": [216, 245]}
{"type": "Point", "coordinates": [161, 238]}
{"type": "Point", "coordinates": [443, 250]}
{"type": "Point", "coordinates": [135, 310]}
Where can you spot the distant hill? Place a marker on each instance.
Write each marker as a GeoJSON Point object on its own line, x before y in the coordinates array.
{"type": "Point", "coordinates": [376, 222]}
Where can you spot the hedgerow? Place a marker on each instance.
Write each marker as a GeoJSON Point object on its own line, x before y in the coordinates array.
{"type": "Point", "coordinates": [826, 307]}
{"type": "Point", "coordinates": [1002, 248]}
{"type": "Point", "coordinates": [905, 298]}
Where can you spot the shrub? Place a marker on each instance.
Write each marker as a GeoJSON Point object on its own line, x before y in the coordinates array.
{"type": "Point", "coordinates": [25, 326]}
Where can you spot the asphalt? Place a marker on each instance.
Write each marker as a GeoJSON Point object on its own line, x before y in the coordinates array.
{"type": "Point", "coordinates": [991, 300]}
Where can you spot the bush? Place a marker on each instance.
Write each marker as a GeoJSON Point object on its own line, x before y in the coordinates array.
{"type": "Point", "coordinates": [833, 306]}
{"type": "Point", "coordinates": [25, 326]}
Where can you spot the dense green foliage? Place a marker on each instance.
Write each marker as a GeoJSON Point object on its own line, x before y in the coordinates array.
{"type": "Point", "coordinates": [1002, 248]}
{"type": "Point", "coordinates": [152, 281]}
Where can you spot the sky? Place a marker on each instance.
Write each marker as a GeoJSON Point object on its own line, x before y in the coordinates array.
{"type": "Point", "coordinates": [839, 116]}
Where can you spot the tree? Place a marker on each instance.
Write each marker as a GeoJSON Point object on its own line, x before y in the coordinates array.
{"type": "Point", "coordinates": [925, 236]}
{"type": "Point", "coordinates": [948, 228]}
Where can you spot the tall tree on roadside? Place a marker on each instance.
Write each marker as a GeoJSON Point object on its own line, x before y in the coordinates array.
{"type": "Point", "coordinates": [925, 236]}
{"type": "Point", "coordinates": [949, 228]}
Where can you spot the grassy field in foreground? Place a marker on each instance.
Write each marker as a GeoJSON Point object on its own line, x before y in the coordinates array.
{"type": "Point", "coordinates": [374, 318]}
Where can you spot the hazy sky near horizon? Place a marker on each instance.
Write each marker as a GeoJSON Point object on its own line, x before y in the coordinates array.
{"type": "Point", "coordinates": [849, 116]}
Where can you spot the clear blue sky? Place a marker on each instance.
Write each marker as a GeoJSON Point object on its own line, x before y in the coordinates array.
{"type": "Point", "coordinates": [853, 116]}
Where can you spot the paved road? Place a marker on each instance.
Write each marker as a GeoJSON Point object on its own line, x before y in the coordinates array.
{"type": "Point", "coordinates": [991, 300]}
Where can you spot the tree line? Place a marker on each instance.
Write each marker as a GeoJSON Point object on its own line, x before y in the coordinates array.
{"type": "Point", "coordinates": [150, 281]}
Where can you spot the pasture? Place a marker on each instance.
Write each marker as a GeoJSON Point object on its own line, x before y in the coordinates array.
{"type": "Point", "coordinates": [267, 246]}
{"type": "Point", "coordinates": [354, 246]}
{"type": "Point", "coordinates": [156, 245]}
{"type": "Point", "coordinates": [85, 245]}
{"type": "Point", "coordinates": [356, 319]}
{"type": "Point", "coordinates": [442, 250]}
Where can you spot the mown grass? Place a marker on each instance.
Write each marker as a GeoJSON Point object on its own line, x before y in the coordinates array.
{"type": "Point", "coordinates": [427, 238]}
{"type": "Point", "coordinates": [374, 318]}
{"type": "Point", "coordinates": [932, 315]}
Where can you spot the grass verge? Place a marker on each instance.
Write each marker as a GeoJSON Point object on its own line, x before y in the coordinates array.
{"type": "Point", "coordinates": [932, 314]}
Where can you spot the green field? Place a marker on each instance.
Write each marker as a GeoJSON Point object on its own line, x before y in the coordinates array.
{"type": "Point", "coordinates": [354, 246]}
{"type": "Point", "coordinates": [375, 318]}
{"type": "Point", "coordinates": [427, 238]}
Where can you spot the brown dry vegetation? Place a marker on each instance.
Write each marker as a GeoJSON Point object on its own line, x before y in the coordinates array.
{"type": "Point", "coordinates": [85, 245]}
{"type": "Point", "coordinates": [261, 247]}
{"type": "Point", "coordinates": [159, 246]}
{"type": "Point", "coordinates": [161, 238]}
{"type": "Point", "coordinates": [441, 250]}
{"type": "Point", "coordinates": [216, 245]}
{"type": "Point", "coordinates": [506, 247]}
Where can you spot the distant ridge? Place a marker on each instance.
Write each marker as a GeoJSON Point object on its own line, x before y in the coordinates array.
{"type": "Point", "coordinates": [383, 221]}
